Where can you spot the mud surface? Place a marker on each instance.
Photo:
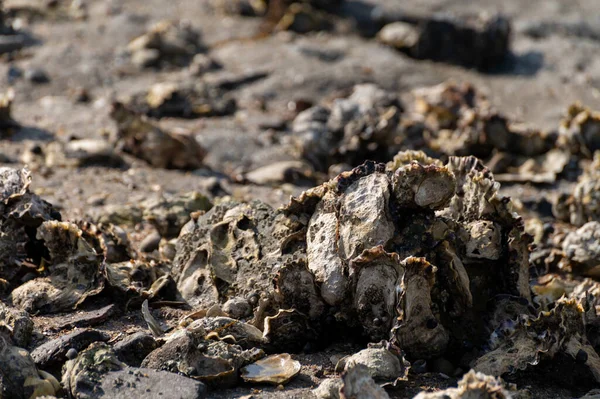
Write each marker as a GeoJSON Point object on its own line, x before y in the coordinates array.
{"type": "Point", "coordinates": [82, 52]}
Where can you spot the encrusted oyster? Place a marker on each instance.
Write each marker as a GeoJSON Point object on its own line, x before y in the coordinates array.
{"type": "Point", "coordinates": [392, 253]}
{"type": "Point", "coordinates": [584, 204]}
{"type": "Point", "coordinates": [362, 126]}
{"type": "Point", "coordinates": [582, 249]}
{"type": "Point", "coordinates": [580, 129]}
{"type": "Point", "coordinates": [192, 353]}
{"type": "Point", "coordinates": [555, 339]}
{"type": "Point", "coordinates": [74, 271]}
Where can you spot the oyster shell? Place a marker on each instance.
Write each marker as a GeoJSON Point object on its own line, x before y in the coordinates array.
{"type": "Point", "coordinates": [168, 214]}
{"type": "Point", "coordinates": [481, 41]}
{"type": "Point", "coordinates": [377, 277]}
{"type": "Point", "coordinates": [364, 217]}
{"type": "Point", "coordinates": [19, 377]}
{"type": "Point", "coordinates": [73, 274]}
{"type": "Point", "coordinates": [74, 153]}
{"type": "Point", "coordinates": [22, 213]}
{"type": "Point", "coordinates": [419, 332]}
{"type": "Point", "coordinates": [584, 203]}
{"type": "Point", "coordinates": [579, 129]}
{"type": "Point", "coordinates": [556, 336]}
{"type": "Point", "coordinates": [143, 139]}
{"type": "Point", "coordinates": [187, 352]}
{"type": "Point", "coordinates": [183, 100]}
{"type": "Point", "coordinates": [18, 323]}
{"type": "Point", "coordinates": [361, 126]}
{"type": "Point", "coordinates": [582, 249]}
{"type": "Point", "coordinates": [322, 252]}
{"type": "Point", "coordinates": [275, 369]}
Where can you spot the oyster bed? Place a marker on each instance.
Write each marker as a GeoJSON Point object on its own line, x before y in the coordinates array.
{"type": "Point", "coordinates": [311, 199]}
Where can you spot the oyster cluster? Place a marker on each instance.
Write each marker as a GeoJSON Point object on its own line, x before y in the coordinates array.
{"type": "Point", "coordinates": [365, 125]}
{"type": "Point", "coordinates": [387, 252]}
{"type": "Point", "coordinates": [177, 100]}
{"type": "Point", "coordinates": [166, 43]}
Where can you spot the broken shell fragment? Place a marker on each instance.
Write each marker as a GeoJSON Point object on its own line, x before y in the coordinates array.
{"type": "Point", "coordinates": [275, 369]}
{"type": "Point", "coordinates": [357, 383]}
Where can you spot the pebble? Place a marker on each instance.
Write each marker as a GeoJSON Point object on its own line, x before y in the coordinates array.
{"type": "Point", "coordinates": [37, 75]}
{"type": "Point", "coordinates": [237, 308]}
{"type": "Point", "coordinates": [150, 243]}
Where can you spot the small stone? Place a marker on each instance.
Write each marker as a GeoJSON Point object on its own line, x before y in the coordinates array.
{"type": "Point", "coordinates": [14, 73]}
{"type": "Point", "coordinates": [329, 389]}
{"type": "Point", "coordinates": [201, 63]}
{"type": "Point", "coordinates": [399, 35]}
{"type": "Point", "coordinates": [149, 384]}
{"type": "Point", "coordinates": [96, 200]}
{"type": "Point", "coordinates": [237, 308]}
{"type": "Point", "coordinates": [134, 348]}
{"type": "Point", "coordinates": [37, 75]}
{"type": "Point", "coordinates": [151, 242]}
{"type": "Point", "coordinates": [380, 363]}
{"type": "Point", "coordinates": [71, 354]}
{"type": "Point", "coordinates": [145, 58]}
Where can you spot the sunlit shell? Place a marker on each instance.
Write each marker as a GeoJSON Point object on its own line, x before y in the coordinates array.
{"type": "Point", "coordinates": [276, 369]}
